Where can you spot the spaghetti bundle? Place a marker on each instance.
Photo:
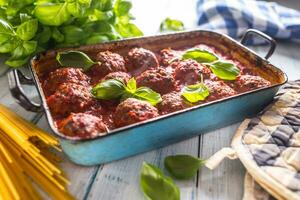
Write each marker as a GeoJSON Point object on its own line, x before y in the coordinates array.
{"type": "Point", "coordinates": [26, 156]}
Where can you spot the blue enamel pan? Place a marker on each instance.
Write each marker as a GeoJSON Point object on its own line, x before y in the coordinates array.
{"type": "Point", "coordinates": [163, 130]}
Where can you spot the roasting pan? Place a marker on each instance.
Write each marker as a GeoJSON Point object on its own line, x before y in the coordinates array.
{"type": "Point", "coordinates": [163, 130]}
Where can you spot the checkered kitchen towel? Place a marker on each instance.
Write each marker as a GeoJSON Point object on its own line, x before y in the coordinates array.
{"type": "Point", "coordinates": [273, 138]}
{"type": "Point", "coordinates": [233, 17]}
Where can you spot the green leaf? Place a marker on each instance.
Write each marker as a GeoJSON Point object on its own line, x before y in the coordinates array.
{"type": "Point", "coordinates": [131, 86]}
{"type": "Point", "coordinates": [157, 186]}
{"type": "Point", "coordinates": [109, 89]}
{"type": "Point", "coordinates": [14, 6]}
{"type": "Point", "coordinates": [128, 30]}
{"type": "Point", "coordinates": [74, 59]}
{"type": "Point", "coordinates": [78, 8]}
{"type": "Point", "coordinates": [147, 94]}
{"type": "Point", "coordinates": [225, 70]}
{"type": "Point", "coordinates": [94, 39]}
{"type": "Point", "coordinates": [103, 5]}
{"type": "Point", "coordinates": [75, 9]}
{"type": "Point", "coordinates": [199, 55]}
{"type": "Point", "coordinates": [44, 36]}
{"type": "Point", "coordinates": [195, 93]}
{"type": "Point", "coordinates": [5, 28]}
{"type": "Point", "coordinates": [8, 44]}
{"type": "Point", "coordinates": [22, 53]}
{"type": "Point", "coordinates": [171, 25]}
{"type": "Point", "coordinates": [17, 62]}
{"type": "Point", "coordinates": [73, 34]}
{"type": "Point", "coordinates": [183, 166]}
{"type": "Point", "coordinates": [122, 7]}
{"type": "Point", "coordinates": [57, 35]}
{"type": "Point", "coordinates": [24, 17]}
{"type": "Point", "coordinates": [52, 14]}
{"type": "Point", "coordinates": [98, 15]}
{"type": "Point", "coordinates": [8, 38]}
{"type": "Point", "coordinates": [27, 30]}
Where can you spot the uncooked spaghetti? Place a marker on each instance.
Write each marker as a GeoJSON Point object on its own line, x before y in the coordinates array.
{"type": "Point", "coordinates": [27, 160]}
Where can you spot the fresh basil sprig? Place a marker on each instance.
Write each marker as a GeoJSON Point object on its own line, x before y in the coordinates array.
{"type": "Point", "coordinates": [31, 26]}
{"type": "Point", "coordinates": [199, 55]}
{"type": "Point", "coordinates": [225, 70]}
{"type": "Point", "coordinates": [183, 166]}
{"type": "Point", "coordinates": [195, 93]}
{"type": "Point", "coordinates": [156, 186]}
{"type": "Point", "coordinates": [114, 89]}
{"type": "Point", "coordinates": [74, 59]}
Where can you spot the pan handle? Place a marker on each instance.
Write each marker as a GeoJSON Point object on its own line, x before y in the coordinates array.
{"type": "Point", "coordinates": [15, 80]}
{"type": "Point", "coordinates": [270, 40]}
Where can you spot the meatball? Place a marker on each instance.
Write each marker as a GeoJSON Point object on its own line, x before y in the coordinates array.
{"type": "Point", "coordinates": [123, 76]}
{"type": "Point", "coordinates": [159, 80]}
{"type": "Point", "coordinates": [70, 98]}
{"type": "Point", "coordinates": [189, 71]}
{"type": "Point", "coordinates": [64, 75]}
{"type": "Point", "coordinates": [248, 82]}
{"type": "Point", "coordinates": [171, 102]}
{"type": "Point", "coordinates": [218, 90]}
{"type": "Point", "coordinates": [142, 59]}
{"type": "Point", "coordinates": [108, 62]}
{"type": "Point", "coordinates": [82, 125]}
{"type": "Point", "coordinates": [168, 55]}
{"type": "Point", "coordinates": [133, 110]}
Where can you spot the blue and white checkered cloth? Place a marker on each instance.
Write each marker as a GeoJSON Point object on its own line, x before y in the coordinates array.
{"type": "Point", "coordinates": [234, 17]}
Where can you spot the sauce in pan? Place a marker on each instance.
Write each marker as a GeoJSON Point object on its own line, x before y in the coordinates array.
{"type": "Point", "coordinates": [78, 113]}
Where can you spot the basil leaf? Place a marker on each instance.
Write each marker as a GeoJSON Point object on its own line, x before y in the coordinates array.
{"type": "Point", "coordinates": [195, 93]}
{"type": "Point", "coordinates": [144, 94]}
{"type": "Point", "coordinates": [199, 55]}
{"type": "Point", "coordinates": [8, 39]}
{"type": "Point", "coordinates": [21, 54]}
{"type": "Point", "coordinates": [17, 62]}
{"type": "Point", "coordinates": [44, 36]}
{"type": "Point", "coordinates": [74, 59]}
{"type": "Point", "coordinates": [94, 39]}
{"type": "Point", "coordinates": [77, 8]}
{"type": "Point", "coordinates": [131, 85]}
{"type": "Point", "coordinates": [225, 70]}
{"type": "Point", "coordinates": [57, 35]}
{"type": "Point", "coordinates": [52, 14]}
{"type": "Point", "coordinates": [98, 15]}
{"type": "Point", "coordinates": [171, 25]}
{"type": "Point", "coordinates": [128, 30]}
{"type": "Point", "coordinates": [183, 166]}
{"type": "Point", "coordinates": [73, 34]}
{"type": "Point", "coordinates": [109, 89]}
{"type": "Point", "coordinates": [122, 7]}
{"type": "Point", "coordinates": [156, 186]}
{"type": "Point", "coordinates": [27, 30]}
{"type": "Point", "coordinates": [147, 94]}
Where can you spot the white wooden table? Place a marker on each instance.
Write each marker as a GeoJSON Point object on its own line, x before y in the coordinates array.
{"type": "Point", "coordinates": [120, 180]}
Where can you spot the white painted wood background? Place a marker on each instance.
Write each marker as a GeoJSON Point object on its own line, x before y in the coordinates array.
{"type": "Point", "coordinates": [120, 180]}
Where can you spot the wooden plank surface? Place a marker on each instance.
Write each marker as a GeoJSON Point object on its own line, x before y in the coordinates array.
{"type": "Point", "coordinates": [120, 180]}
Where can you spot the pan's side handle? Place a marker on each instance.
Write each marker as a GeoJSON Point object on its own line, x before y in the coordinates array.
{"type": "Point", "coordinates": [255, 32]}
{"type": "Point", "coordinates": [15, 79]}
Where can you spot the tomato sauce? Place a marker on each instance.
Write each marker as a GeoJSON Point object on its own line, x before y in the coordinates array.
{"type": "Point", "coordinates": [73, 107]}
